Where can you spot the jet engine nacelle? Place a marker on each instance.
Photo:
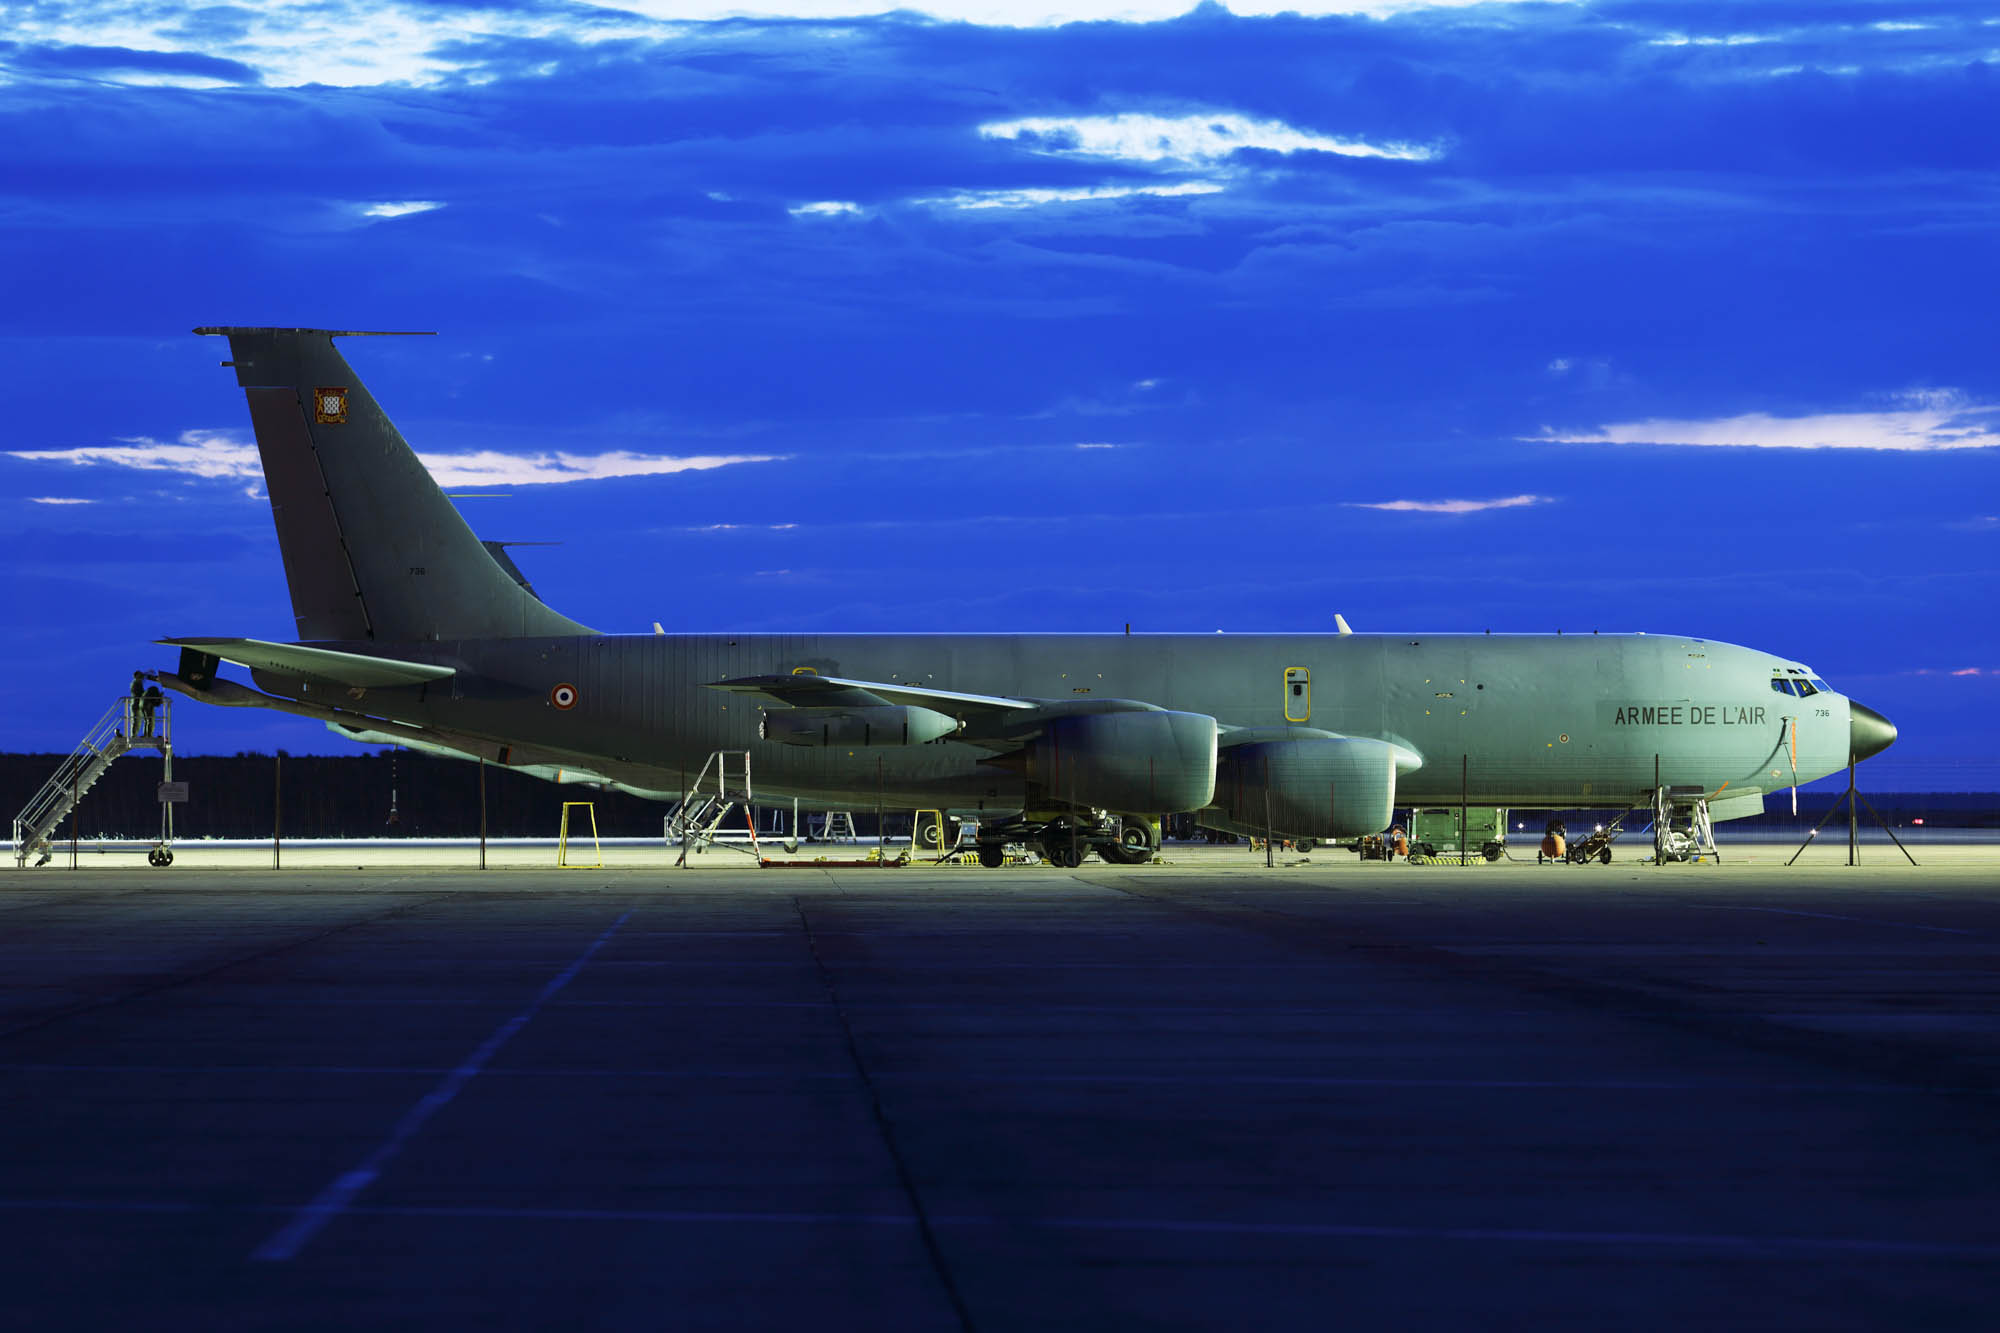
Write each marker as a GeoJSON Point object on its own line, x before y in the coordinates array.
{"type": "Point", "coordinates": [1326, 787]}
{"type": "Point", "coordinates": [1150, 762]}
{"type": "Point", "coordinates": [887, 724]}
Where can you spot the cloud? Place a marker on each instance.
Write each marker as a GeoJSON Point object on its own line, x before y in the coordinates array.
{"type": "Point", "coordinates": [216, 455]}
{"type": "Point", "coordinates": [741, 527]}
{"type": "Point", "coordinates": [1451, 506]}
{"type": "Point", "coordinates": [331, 43]}
{"type": "Point", "coordinates": [1035, 197]}
{"type": "Point", "coordinates": [1732, 39]}
{"type": "Point", "coordinates": [58, 500]}
{"type": "Point", "coordinates": [147, 66]}
{"type": "Point", "coordinates": [1187, 139]}
{"type": "Point", "coordinates": [825, 208]}
{"type": "Point", "coordinates": [210, 455]}
{"type": "Point", "coordinates": [400, 208]}
{"type": "Point", "coordinates": [355, 43]}
{"type": "Point", "coordinates": [1931, 420]}
{"type": "Point", "coordinates": [491, 468]}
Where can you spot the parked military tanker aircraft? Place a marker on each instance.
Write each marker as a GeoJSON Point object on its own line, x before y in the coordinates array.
{"type": "Point", "coordinates": [410, 628]}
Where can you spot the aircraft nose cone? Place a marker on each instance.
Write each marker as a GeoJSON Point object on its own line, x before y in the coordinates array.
{"type": "Point", "coordinates": [1868, 732]}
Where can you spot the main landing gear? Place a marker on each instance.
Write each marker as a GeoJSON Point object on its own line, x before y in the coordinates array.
{"type": "Point", "coordinates": [1065, 839]}
{"type": "Point", "coordinates": [1065, 856]}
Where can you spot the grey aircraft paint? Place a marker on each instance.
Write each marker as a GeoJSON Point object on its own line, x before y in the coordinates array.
{"type": "Point", "coordinates": [381, 566]}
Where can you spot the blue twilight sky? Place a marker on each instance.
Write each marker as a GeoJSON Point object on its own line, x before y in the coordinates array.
{"type": "Point", "coordinates": [1035, 315]}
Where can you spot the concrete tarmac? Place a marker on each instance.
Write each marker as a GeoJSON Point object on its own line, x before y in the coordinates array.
{"type": "Point", "coordinates": [1194, 1096]}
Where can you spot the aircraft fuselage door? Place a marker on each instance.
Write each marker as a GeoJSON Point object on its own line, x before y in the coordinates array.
{"type": "Point", "coordinates": [1298, 694]}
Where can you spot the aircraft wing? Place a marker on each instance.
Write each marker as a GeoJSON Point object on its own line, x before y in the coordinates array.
{"type": "Point", "coordinates": [990, 721]}
{"type": "Point", "coordinates": [319, 665]}
{"type": "Point", "coordinates": [805, 691]}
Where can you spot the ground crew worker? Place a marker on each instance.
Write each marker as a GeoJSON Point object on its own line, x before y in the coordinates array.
{"type": "Point", "coordinates": [1398, 844]}
{"type": "Point", "coordinates": [149, 706]}
{"type": "Point", "coordinates": [132, 709]}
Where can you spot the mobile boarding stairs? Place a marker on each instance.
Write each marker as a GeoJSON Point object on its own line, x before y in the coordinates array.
{"type": "Point", "coordinates": [129, 724]}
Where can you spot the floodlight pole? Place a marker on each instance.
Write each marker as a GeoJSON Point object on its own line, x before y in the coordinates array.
{"type": "Point", "coordinates": [482, 812]}
{"type": "Point", "coordinates": [1853, 821]}
{"type": "Point", "coordinates": [1464, 810]}
{"type": "Point", "coordinates": [1269, 836]}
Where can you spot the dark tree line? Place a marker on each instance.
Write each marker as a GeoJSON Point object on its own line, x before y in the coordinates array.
{"type": "Point", "coordinates": [325, 796]}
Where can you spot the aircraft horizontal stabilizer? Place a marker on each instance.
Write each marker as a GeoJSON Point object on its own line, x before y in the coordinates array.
{"type": "Point", "coordinates": [319, 665]}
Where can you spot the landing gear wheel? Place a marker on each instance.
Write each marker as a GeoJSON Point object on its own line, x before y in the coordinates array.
{"type": "Point", "coordinates": [1135, 845]}
{"type": "Point", "coordinates": [991, 854]}
{"type": "Point", "coordinates": [159, 856]}
{"type": "Point", "coordinates": [1065, 856]}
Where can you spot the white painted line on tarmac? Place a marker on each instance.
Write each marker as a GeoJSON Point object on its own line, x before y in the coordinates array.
{"type": "Point", "coordinates": [340, 1193]}
{"type": "Point", "coordinates": [1833, 916]}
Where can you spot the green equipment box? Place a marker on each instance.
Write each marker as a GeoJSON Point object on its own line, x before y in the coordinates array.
{"type": "Point", "coordinates": [1435, 832]}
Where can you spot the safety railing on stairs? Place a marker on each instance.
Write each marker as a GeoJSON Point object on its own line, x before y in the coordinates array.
{"type": "Point", "coordinates": [722, 785]}
{"type": "Point", "coordinates": [134, 722]}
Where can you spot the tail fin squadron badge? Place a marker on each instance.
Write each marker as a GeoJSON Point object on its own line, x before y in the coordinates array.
{"type": "Point", "coordinates": [330, 405]}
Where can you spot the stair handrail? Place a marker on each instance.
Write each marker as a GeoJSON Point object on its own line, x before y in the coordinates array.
{"type": "Point", "coordinates": [115, 722]}
{"type": "Point", "coordinates": [699, 831]}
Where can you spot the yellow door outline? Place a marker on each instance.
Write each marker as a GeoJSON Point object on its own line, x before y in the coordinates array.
{"type": "Point", "coordinates": [1298, 694]}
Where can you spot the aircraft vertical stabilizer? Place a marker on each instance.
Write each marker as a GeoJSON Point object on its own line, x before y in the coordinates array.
{"type": "Point", "coordinates": [372, 548]}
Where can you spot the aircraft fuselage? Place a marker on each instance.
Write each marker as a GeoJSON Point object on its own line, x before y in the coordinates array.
{"type": "Point", "coordinates": [1527, 720]}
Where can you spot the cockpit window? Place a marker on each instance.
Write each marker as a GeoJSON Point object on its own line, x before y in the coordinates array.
{"type": "Point", "coordinates": [1791, 680]}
